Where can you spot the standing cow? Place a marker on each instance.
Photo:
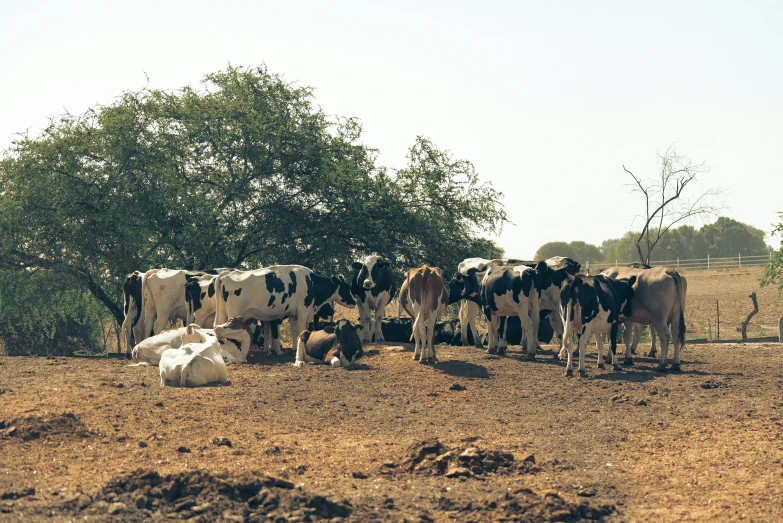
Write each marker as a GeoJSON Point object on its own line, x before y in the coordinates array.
{"type": "Point", "coordinates": [424, 297]}
{"type": "Point", "coordinates": [132, 306]}
{"type": "Point", "coordinates": [277, 292]}
{"type": "Point", "coordinates": [659, 301]}
{"type": "Point", "coordinates": [592, 305]}
{"type": "Point", "coordinates": [373, 285]}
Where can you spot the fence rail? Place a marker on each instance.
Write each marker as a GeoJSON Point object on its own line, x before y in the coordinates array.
{"type": "Point", "coordinates": [696, 263]}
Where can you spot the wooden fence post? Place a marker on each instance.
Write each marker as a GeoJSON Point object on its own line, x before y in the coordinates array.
{"type": "Point", "coordinates": [739, 260]}
{"type": "Point", "coordinates": [708, 262]}
{"type": "Point", "coordinates": [780, 329]}
{"type": "Point", "coordinates": [717, 308]}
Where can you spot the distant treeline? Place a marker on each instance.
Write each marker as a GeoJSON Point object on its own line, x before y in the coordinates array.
{"type": "Point", "coordinates": [724, 238]}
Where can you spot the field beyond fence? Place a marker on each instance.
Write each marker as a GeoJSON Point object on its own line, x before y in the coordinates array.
{"type": "Point", "coordinates": [695, 263]}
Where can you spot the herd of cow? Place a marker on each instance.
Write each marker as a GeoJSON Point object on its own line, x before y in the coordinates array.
{"type": "Point", "coordinates": [523, 302]}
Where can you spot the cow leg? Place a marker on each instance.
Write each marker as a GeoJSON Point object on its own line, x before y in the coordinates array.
{"type": "Point", "coordinates": [364, 319]}
{"type": "Point", "coordinates": [529, 332]}
{"type": "Point", "coordinates": [599, 342]}
{"type": "Point", "coordinates": [502, 326]}
{"type": "Point", "coordinates": [492, 326]}
{"type": "Point", "coordinates": [613, 346]}
{"type": "Point", "coordinates": [584, 339]}
{"type": "Point", "coordinates": [628, 333]}
{"type": "Point", "coordinates": [380, 312]}
{"type": "Point", "coordinates": [663, 335]}
{"type": "Point", "coordinates": [296, 328]}
{"type": "Point", "coordinates": [268, 340]}
{"type": "Point", "coordinates": [652, 352]}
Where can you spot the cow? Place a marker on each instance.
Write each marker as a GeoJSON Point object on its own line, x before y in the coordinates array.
{"type": "Point", "coordinates": [658, 301]}
{"type": "Point", "coordinates": [511, 329]}
{"type": "Point", "coordinates": [373, 285]}
{"type": "Point", "coordinates": [591, 305]}
{"type": "Point", "coordinates": [338, 346]}
{"type": "Point", "coordinates": [510, 290]}
{"type": "Point", "coordinates": [164, 297]}
{"type": "Point", "coordinates": [236, 336]}
{"type": "Point", "coordinates": [449, 333]}
{"type": "Point", "coordinates": [277, 292]}
{"type": "Point", "coordinates": [193, 364]}
{"type": "Point", "coordinates": [326, 311]}
{"type": "Point", "coordinates": [132, 306]}
{"type": "Point", "coordinates": [149, 351]}
{"type": "Point", "coordinates": [466, 285]}
{"type": "Point", "coordinates": [397, 330]}
{"type": "Point", "coordinates": [424, 296]}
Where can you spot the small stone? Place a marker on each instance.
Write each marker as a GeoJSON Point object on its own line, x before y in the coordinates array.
{"type": "Point", "coordinates": [116, 508]}
{"type": "Point", "coordinates": [10, 431]}
{"type": "Point", "coordinates": [183, 450]}
{"type": "Point", "coordinates": [159, 404]}
{"type": "Point", "coordinates": [222, 441]}
{"type": "Point", "coordinates": [143, 444]}
{"type": "Point", "coordinates": [530, 458]}
{"type": "Point", "coordinates": [83, 502]}
{"type": "Point", "coordinates": [469, 453]}
{"type": "Point", "coordinates": [641, 403]}
{"type": "Point", "coordinates": [359, 475]}
{"type": "Point", "coordinates": [198, 509]}
{"type": "Point", "coordinates": [586, 492]}
{"type": "Point", "coordinates": [456, 472]}
{"type": "Point", "coordinates": [458, 387]}
{"type": "Point", "coordinates": [389, 464]}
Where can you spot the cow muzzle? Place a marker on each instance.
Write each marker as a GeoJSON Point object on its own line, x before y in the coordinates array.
{"type": "Point", "coordinates": [368, 284]}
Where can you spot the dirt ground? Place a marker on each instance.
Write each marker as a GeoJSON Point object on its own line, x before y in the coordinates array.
{"type": "Point", "coordinates": [472, 438]}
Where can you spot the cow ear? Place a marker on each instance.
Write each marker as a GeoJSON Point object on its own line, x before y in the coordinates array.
{"type": "Point", "coordinates": [632, 280]}
{"type": "Point", "coordinates": [189, 329]}
{"type": "Point", "coordinates": [358, 328]}
{"type": "Point", "coordinates": [357, 265]}
{"type": "Point", "coordinates": [329, 330]}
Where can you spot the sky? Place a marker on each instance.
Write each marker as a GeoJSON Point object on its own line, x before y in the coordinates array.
{"type": "Point", "coordinates": [548, 99]}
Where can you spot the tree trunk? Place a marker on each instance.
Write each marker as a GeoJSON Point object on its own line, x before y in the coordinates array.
{"type": "Point", "coordinates": [752, 313]}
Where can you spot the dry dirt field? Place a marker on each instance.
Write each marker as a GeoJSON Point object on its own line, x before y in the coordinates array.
{"type": "Point", "coordinates": [473, 438]}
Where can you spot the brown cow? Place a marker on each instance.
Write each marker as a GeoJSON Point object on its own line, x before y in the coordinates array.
{"type": "Point", "coordinates": [424, 297]}
{"type": "Point", "coordinates": [659, 301]}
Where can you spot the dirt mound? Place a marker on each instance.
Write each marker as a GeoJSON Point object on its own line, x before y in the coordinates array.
{"type": "Point", "coordinates": [65, 425]}
{"type": "Point", "coordinates": [145, 494]}
{"type": "Point", "coordinates": [525, 505]}
{"type": "Point", "coordinates": [432, 457]}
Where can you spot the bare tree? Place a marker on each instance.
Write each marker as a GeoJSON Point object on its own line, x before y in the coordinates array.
{"type": "Point", "coordinates": [665, 204]}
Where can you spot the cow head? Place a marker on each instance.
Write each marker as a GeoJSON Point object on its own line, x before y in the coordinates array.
{"type": "Point", "coordinates": [195, 334]}
{"type": "Point", "coordinates": [235, 337]}
{"type": "Point", "coordinates": [349, 345]}
{"type": "Point", "coordinates": [369, 270]}
{"type": "Point", "coordinates": [626, 291]}
{"type": "Point", "coordinates": [343, 292]}
{"type": "Point", "coordinates": [456, 289]}
{"type": "Point", "coordinates": [472, 283]}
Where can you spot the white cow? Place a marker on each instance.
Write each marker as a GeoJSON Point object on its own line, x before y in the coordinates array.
{"type": "Point", "coordinates": [193, 364]}
{"type": "Point", "coordinates": [149, 351]}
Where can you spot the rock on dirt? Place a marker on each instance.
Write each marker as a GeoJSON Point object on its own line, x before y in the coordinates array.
{"type": "Point", "coordinates": [432, 457]}
{"type": "Point", "coordinates": [144, 494]}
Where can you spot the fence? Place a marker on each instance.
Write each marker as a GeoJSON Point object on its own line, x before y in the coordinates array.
{"type": "Point", "coordinates": [697, 263]}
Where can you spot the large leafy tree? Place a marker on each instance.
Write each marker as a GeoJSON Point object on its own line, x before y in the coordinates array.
{"type": "Point", "coordinates": [578, 250]}
{"type": "Point", "coordinates": [773, 273]}
{"type": "Point", "coordinates": [243, 171]}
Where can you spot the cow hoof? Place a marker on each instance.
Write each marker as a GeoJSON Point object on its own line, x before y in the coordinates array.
{"type": "Point", "coordinates": [661, 367]}
{"type": "Point", "coordinates": [492, 351]}
{"type": "Point", "coordinates": [299, 364]}
{"type": "Point", "coordinates": [628, 361]}
{"type": "Point", "coordinates": [583, 373]}
{"type": "Point", "coordinates": [424, 361]}
{"type": "Point", "coordinates": [569, 373]}
{"type": "Point", "coordinates": [651, 354]}
{"type": "Point", "coordinates": [600, 365]}
{"type": "Point", "coordinates": [617, 367]}
{"type": "Point", "coordinates": [675, 367]}
{"type": "Point", "coordinates": [531, 356]}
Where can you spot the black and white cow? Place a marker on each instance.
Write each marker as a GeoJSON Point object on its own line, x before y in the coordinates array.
{"type": "Point", "coordinates": [466, 283]}
{"type": "Point", "coordinates": [200, 300]}
{"type": "Point", "coordinates": [132, 306]}
{"type": "Point", "coordinates": [510, 290]}
{"type": "Point", "coordinates": [164, 297]}
{"type": "Point", "coordinates": [591, 305]}
{"type": "Point", "coordinates": [339, 346]}
{"type": "Point", "coordinates": [277, 292]}
{"type": "Point", "coordinates": [397, 330]}
{"type": "Point", "coordinates": [373, 285]}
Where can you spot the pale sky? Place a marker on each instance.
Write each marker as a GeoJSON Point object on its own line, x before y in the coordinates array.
{"type": "Point", "coordinates": [547, 99]}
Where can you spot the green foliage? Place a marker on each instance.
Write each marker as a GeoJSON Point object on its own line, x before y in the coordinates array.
{"type": "Point", "coordinates": [727, 237]}
{"type": "Point", "coordinates": [579, 251]}
{"type": "Point", "coordinates": [245, 171]}
{"type": "Point", "coordinates": [44, 314]}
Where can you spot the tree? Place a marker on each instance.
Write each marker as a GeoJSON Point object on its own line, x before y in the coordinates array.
{"type": "Point", "coordinates": [773, 272]}
{"type": "Point", "coordinates": [245, 171]}
{"type": "Point", "coordinates": [577, 250]}
{"type": "Point", "coordinates": [727, 237]}
{"type": "Point", "coordinates": [665, 204]}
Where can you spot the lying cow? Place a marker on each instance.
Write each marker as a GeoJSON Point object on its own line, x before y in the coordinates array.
{"type": "Point", "coordinates": [193, 364]}
{"type": "Point", "coordinates": [150, 350]}
{"type": "Point", "coordinates": [338, 346]}
{"type": "Point", "coordinates": [450, 333]}
{"type": "Point", "coordinates": [397, 330]}
{"type": "Point", "coordinates": [591, 305]}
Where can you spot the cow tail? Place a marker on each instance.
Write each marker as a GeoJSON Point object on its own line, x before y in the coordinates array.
{"type": "Point", "coordinates": [142, 307]}
{"type": "Point", "coordinates": [420, 314]}
{"type": "Point", "coordinates": [680, 284]}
